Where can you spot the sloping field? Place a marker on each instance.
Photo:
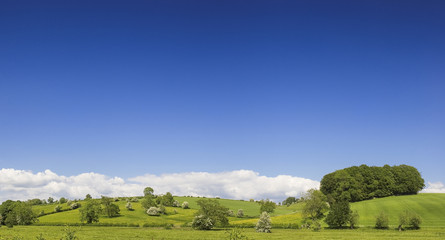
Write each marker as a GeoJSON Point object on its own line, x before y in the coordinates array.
{"type": "Point", "coordinates": [431, 207]}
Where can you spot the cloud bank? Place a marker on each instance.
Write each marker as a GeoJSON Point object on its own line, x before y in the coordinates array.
{"type": "Point", "coordinates": [239, 184]}
{"type": "Point", "coordinates": [434, 187]}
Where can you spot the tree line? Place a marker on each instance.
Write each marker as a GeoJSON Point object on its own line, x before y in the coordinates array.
{"type": "Point", "coordinates": [362, 182]}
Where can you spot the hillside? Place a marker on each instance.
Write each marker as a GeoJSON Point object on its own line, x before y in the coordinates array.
{"type": "Point", "coordinates": [431, 208]}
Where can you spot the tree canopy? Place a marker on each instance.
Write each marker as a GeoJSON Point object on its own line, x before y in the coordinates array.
{"type": "Point", "coordinates": [364, 182]}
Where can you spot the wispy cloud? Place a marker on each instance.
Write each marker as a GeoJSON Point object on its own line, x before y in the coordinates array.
{"type": "Point", "coordinates": [434, 187]}
{"type": "Point", "coordinates": [239, 184]}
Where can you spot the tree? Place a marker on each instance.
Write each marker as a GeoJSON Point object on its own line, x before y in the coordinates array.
{"type": "Point", "coordinates": [339, 214]}
{"type": "Point", "coordinates": [263, 224]}
{"type": "Point", "coordinates": [89, 213]}
{"type": "Point", "coordinates": [148, 191]}
{"type": "Point", "coordinates": [289, 201]}
{"type": "Point", "coordinates": [21, 214]}
{"type": "Point", "coordinates": [381, 221]}
{"type": "Point", "coordinates": [314, 205]}
{"type": "Point", "coordinates": [148, 202]}
{"type": "Point", "coordinates": [50, 200]}
{"type": "Point", "coordinates": [88, 197]}
{"type": "Point", "coordinates": [62, 200]}
{"type": "Point", "coordinates": [267, 206]}
{"type": "Point", "coordinates": [167, 200]}
{"type": "Point", "coordinates": [185, 205]}
{"type": "Point", "coordinates": [240, 213]}
{"type": "Point", "coordinates": [212, 210]}
{"type": "Point", "coordinates": [110, 209]}
{"type": "Point", "coordinates": [354, 219]}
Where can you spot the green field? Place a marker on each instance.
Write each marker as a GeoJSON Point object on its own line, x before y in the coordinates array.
{"type": "Point", "coordinates": [138, 225]}
{"type": "Point", "coordinates": [431, 207]}
{"type": "Point", "coordinates": [118, 233]}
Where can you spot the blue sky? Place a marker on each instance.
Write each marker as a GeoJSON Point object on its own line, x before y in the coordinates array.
{"type": "Point", "coordinates": [303, 88]}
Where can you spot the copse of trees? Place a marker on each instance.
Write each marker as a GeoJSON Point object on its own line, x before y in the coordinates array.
{"type": "Point", "coordinates": [363, 182]}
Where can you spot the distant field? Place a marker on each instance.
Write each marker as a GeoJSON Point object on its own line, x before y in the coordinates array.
{"type": "Point", "coordinates": [431, 207]}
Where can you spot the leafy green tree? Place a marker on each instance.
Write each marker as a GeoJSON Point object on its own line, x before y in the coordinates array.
{"type": "Point", "coordinates": [148, 191]}
{"type": "Point", "coordinates": [339, 214]}
{"type": "Point", "coordinates": [21, 214]}
{"type": "Point", "coordinates": [50, 200]}
{"type": "Point", "coordinates": [148, 202]}
{"type": "Point", "coordinates": [315, 205]}
{"type": "Point", "coordinates": [289, 201]}
{"type": "Point", "coordinates": [212, 210]}
{"type": "Point", "coordinates": [382, 221]}
{"type": "Point", "coordinates": [240, 213]}
{"type": "Point", "coordinates": [88, 197]}
{"type": "Point", "coordinates": [6, 207]}
{"type": "Point", "coordinates": [110, 209]}
{"type": "Point", "coordinates": [409, 219]}
{"type": "Point", "coordinates": [90, 212]}
{"type": "Point", "coordinates": [354, 219]}
{"type": "Point", "coordinates": [62, 200]}
{"type": "Point", "coordinates": [267, 206]}
{"type": "Point", "coordinates": [167, 199]}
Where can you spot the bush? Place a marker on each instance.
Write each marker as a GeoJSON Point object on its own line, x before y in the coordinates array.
{"type": "Point", "coordinates": [185, 205]}
{"type": "Point", "coordinates": [154, 211]}
{"type": "Point", "coordinates": [75, 205]}
{"type": "Point", "coordinates": [69, 234]}
{"type": "Point", "coordinates": [354, 219]}
{"type": "Point", "coordinates": [62, 200]}
{"type": "Point", "coordinates": [411, 219]}
{"type": "Point", "coordinates": [263, 224]}
{"type": "Point", "coordinates": [202, 222]}
{"type": "Point", "coordinates": [58, 208]}
{"type": "Point", "coordinates": [176, 204]}
{"type": "Point", "coordinates": [236, 234]}
{"type": "Point", "coordinates": [230, 213]}
{"type": "Point", "coordinates": [381, 221]}
{"type": "Point", "coordinates": [40, 237]}
{"type": "Point", "coordinates": [240, 213]}
{"type": "Point", "coordinates": [128, 206]}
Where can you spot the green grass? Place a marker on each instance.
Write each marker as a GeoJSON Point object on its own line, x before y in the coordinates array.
{"type": "Point", "coordinates": [119, 233]}
{"type": "Point", "coordinates": [431, 207]}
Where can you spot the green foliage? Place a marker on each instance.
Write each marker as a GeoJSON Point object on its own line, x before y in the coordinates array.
{"type": "Point", "coordinates": [382, 221]}
{"type": "Point", "coordinates": [240, 213]}
{"type": "Point", "coordinates": [69, 234]}
{"type": "Point", "coordinates": [339, 214]}
{"type": "Point", "coordinates": [17, 213]}
{"type": "Point", "coordinates": [62, 200]}
{"type": "Point", "coordinates": [212, 209]}
{"type": "Point", "coordinates": [166, 199]}
{"type": "Point", "coordinates": [236, 234]}
{"type": "Point", "coordinates": [315, 204]}
{"type": "Point", "coordinates": [185, 205]}
{"type": "Point", "coordinates": [354, 219]}
{"type": "Point", "coordinates": [148, 191]}
{"type": "Point", "coordinates": [110, 209]}
{"type": "Point", "coordinates": [264, 223]}
{"type": "Point", "coordinates": [57, 208]}
{"type": "Point", "coordinates": [89, 213]}
{"type": "Point", "coordinates": [289, 201]}
{"type": "Point", "coordinates": [267, 206]}
{"type": "Point", "coordinates": [128, 206]}
{"type": "Point", "coordinates": [88, 197]}
{"type": "Point", "coordinates": [409, 219]}
{"type": "Point", "coordinates": [148, 202]}
{"type": "Point", "coordinates": [202, 222]}
{"type": "Point", "coordinates": [50, 200]}
{"type": "Point", "coordinates": [364, 182]}
{"type": "Point", "coordinates": [154, 211]}
{"type": "Point", "coordinates": [40, 237]}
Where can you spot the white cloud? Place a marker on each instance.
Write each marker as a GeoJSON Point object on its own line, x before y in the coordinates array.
{"type": "Point", "coordinates": [434, 187]}
{"type": "Point", "coordinates": [240, 184]}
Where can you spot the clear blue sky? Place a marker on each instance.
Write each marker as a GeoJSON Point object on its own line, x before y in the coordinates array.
{"type": "Point", "coordinates": [125, 88]}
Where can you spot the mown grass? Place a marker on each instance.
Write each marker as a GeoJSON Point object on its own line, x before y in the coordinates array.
{"type": "Point", "coordinates": [105, 233]}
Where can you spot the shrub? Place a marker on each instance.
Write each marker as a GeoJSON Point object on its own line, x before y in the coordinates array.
{"type": "Point", "coordinates": [62, 200]}
{"type": "Point", "coordinates": [267, 206]}
{"type": "Point", "coordinates": [381, 221]}
{"type": "Point", "coordinates": [202, 222]}
{"type": "Point", "coordinates": [40, 237]}
{"type": "Point", "coordinates": [354, 219]}
{"type": "Point", "coordinates": [411, 219]}
{"type": "Point", "coordinates": [230, 213]}
{"type": "Point", "coordinates": [339, 214]}
{"type": "Point", "coordinates": [263, 224]}
{"type": "Point", "coordinates": [58, 208]}
{"type": "Point", "coordinates": [134, 200]}
{"type": "Point", "coordinates": [240, 213]}
{"type": "Point", "coordinates": [154, 211]}
{"type": "Point", "coordinates": [128, 206]}
{"type": "Point", "coordinates": [185, 205]}
{"type": "Point", "coordinates": [176, 204]}
{"type": "Point", "coordinates": [69, 234]}
{"type": "Point", "coordinates": [75, 205]}
{"type": "Point", "coordinates": [236, 234]}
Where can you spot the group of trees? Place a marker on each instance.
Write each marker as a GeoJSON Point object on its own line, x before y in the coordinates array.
{"type": "Point", "coordinates": [16, 213]}
{"type": "Point", "coordinates": [363, 182]}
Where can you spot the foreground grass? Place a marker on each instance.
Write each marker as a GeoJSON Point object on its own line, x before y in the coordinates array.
{"type": "Point", "coordinates": [88, 232]}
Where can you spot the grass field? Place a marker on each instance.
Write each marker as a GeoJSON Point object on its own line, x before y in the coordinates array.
{"type": "Point", "coordinates": [118, 233]}
{"type": "Point", "coordinates": [431, 207]}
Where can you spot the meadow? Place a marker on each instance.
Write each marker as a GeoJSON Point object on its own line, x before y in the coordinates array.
{"type": "Point", "coordinates": [286, 220]}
